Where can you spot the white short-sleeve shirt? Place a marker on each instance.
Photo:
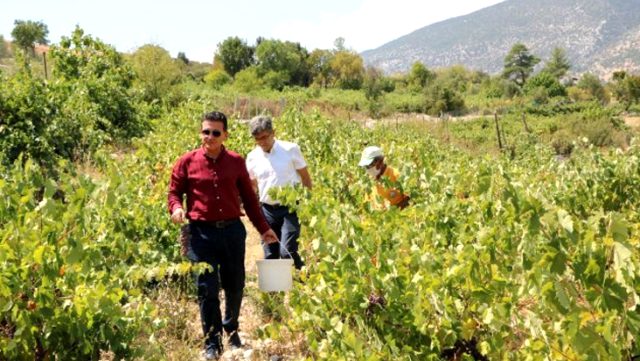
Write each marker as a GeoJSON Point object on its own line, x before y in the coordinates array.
{"type": "Point", "coordinates": [276, 168]}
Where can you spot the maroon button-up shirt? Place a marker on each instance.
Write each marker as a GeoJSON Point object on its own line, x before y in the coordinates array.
{"type": "Point", "coordinates": [214, 188]}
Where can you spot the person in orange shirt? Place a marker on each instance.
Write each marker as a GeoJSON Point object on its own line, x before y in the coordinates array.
{"type": "Point", "coordinates": [386, 187]}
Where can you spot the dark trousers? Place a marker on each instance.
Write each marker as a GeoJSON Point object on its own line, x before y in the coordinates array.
{"type": "Point", "coordinates": [287, 228]}
{"type": "Point", "coordinates": [223, 249]}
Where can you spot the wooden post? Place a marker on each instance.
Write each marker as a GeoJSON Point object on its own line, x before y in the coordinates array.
{"type": "Point", "coordinates": [235, 105]}
{"type": "Point", "coordinates": [44, 59]}
{"type": "Point", "coordinates": [495, 117]}
{"type": "Point", "coordinates": [446, 127]}
{"type": "Point", "coordinates": [524, 121]}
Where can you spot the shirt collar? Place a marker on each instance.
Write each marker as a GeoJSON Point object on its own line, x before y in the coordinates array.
{"type": "Point", "coordinates": [273, 148]}
{"type": "Point", "coordinates": [223, 152]}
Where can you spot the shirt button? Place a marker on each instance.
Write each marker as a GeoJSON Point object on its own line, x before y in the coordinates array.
{"type": "Point", "coordinates": [220, 210]}
{"type": "Point", "coordinates": [217, 197]}
{"type": "Point", "coordinates": [215, 185]}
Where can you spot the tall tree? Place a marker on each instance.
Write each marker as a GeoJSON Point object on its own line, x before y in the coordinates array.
{"type": "Point", "coordinates": [626, 88]}
{"type": "Point", "coordinates": [183, 58]}
{"type": "Point", "coordinates": [419, 76]}
{"type": "Point", "coordinates": [319, 67]}
{"type": "Point", "coordinates": [348, 70]}
{"type": "Point", "coordinates": [592, 87]}
{"type": "Point", "coordinates": [519, 63]}
{"type": "Point", "coordinates": [235, 55]}
{"type": "Point", "coordinates": [27, 34]}
{"type": "Point", "coordinates": [156, 70]}
{"type": "Point", "coordinates": [558, 65]}
{"type": "Point", "coordinates": [283, 61]}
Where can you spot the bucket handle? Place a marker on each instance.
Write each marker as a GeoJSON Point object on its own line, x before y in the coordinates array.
{"type": "Point", "coordinates": [285, 249]}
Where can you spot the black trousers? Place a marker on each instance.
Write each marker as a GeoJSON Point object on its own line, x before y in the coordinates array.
{"type": "Point", "coordinates": [223, 248]}
{"type": "Point", "coordinates": [287, 227]}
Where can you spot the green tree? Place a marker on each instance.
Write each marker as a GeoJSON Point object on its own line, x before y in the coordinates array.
{"type": "Point", "coordinates": [183, 58]}
{"type": "Point", "coordinates": [99, 82]}
{"type": "Point", "coordinates": [518, 64]}
{"type": "Point", "coordinates": [283, 61]}
{"type": "Point", "coordinates": [26, 34]}
{"type": "Point", "coordinates": [458, 78]}
{"type": "Point", "coordinates": [545, 82]}
{"type": "Point", "coordinates": [373, 87]}
{"type": "Point", "coordinates": [592, 87]}
{"type": "Point", "coordinates": [216, 78]}
{"type": "Point", "coordinates": [558, 65]}
{"type": "Point", "coordinates": [247, 80]}
{"type": "Point", "coordinates": [319, 65]}
{"type": "Point", "coordinates": [626, 88]}
{"type": "Point", "coordinates": [156, 71]}
{"type": "Point", "coordinates": [234, 54]}
{"type": "Point", "coordinates": [441, 99]}
{"type": "Point", "coordinates": [419, 76]}
{"type": "Point", "coordinates": [348, 70]}
{"type": "Point", "coordinates": [87, 101]}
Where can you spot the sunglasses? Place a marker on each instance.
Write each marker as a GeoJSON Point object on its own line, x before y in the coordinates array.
{"type": "Point", "coordinates": [215, 132]}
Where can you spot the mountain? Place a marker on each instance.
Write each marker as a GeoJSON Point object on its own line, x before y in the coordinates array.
{"type": "Point", "coordinates": [599, 36]}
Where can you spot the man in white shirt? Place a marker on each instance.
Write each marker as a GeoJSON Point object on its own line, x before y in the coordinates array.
{"type": "Point", "coordinates": [276, 163]}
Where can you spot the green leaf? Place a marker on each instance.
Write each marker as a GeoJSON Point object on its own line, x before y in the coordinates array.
{"type": "Point", "coordinates": [565, 220]}
{"type": "Point", "coordinates": [619, 228]}
{"type": "Point", "coordinates": [561, 296]}
{"type": "Point", "coordinates": [558, 265]}
{"type": "Point", "coordinates": [75, 254]}
{"type": "Point", "coordinates": [38, 254]}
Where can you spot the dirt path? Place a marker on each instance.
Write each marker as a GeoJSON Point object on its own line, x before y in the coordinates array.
{"type": "Point", "coordinates": [252, 316]}
{"type": "Point", "coordinates": [632, 121]}
{"type": "Point", "coordinates": [181, 337]}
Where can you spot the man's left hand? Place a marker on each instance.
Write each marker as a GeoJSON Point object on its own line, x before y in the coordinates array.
{"type": "Point", "coordinates": [269, 236]}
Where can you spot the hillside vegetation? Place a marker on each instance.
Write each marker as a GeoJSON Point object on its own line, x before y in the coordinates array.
{"type": "Point", "coordinates": [522, 248]}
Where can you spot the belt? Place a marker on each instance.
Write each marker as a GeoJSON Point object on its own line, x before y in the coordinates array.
{"type": "Point", "coordinates": [277, 205]}
{"type": "Point", "coordinates": [218, 224]}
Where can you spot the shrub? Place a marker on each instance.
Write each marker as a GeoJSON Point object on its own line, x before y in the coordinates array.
{"type": "Point", "coordinates": [547, 82]}
{"type": "Point", "coordinates": [562, 142]}
{"type": "Point", "coordinates": [247, 80]}
{"type": "Point", "coordinates": [440, 99]}
{"type": "Point", "coordinates": [87, 101]}
{"type": "Point", "coordinates": [592, 88]}
{"type": "Point", "coordinates": [216, 78]}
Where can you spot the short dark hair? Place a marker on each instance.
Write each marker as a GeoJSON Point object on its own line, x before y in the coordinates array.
{"type": "Point", "coordinates": [216, 116]}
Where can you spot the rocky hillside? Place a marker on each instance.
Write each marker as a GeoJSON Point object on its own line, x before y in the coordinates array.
{"type": "Point", "coordinates": [599, 36]}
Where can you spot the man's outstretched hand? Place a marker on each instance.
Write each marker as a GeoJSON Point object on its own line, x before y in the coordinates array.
{"type": "Point", "coordinates": [269, 236]}
{"type": "Point", "coordinates": [178, 216]}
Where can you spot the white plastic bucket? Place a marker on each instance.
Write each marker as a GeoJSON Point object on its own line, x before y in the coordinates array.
{"type": "Point", "coordinates": [274, 274]}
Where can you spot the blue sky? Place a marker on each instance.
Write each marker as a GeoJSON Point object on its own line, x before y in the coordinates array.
{"type": "Point", "coordinates": [196, 27]}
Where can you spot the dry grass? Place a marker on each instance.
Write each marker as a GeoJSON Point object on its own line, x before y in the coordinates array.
{"type": "Point", "coordinates": [181, 338]}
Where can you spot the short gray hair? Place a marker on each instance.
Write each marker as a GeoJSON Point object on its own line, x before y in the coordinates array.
{"type": "Point", "coordinates": [259, 124]}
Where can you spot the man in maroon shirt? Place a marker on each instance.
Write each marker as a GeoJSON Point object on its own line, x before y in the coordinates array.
{"type": "Point", "coordinates": [214, 181]}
